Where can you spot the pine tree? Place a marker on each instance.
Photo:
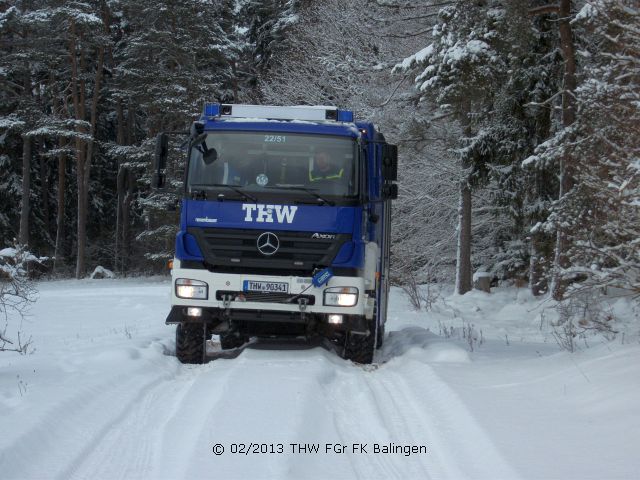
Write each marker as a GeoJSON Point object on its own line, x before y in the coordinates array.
{"type": "Point", "coordinates": [602, 212]}
{"type": "Point", "coordinates": [265, 24]}
{"type": "Point", "coordinates": [457, 71]}
{"type": "Point", "coordinates": [169, 58]}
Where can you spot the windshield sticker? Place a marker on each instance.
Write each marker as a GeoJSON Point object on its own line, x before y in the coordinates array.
{"type": "Point", "coordinates": [275, 138]}
{"type": "Point", "coordinates": [262, 180]}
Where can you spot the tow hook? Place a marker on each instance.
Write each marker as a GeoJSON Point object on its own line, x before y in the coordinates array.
{"type": "Point", "coordinates": [302, 305]}
{"type": "Point", "coordinates": [226, 303]}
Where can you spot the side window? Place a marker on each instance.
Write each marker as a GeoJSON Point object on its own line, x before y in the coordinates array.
{"type": "Point", "coordinates": [361, 174]}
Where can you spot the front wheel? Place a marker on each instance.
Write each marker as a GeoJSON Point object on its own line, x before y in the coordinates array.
{"type": "Point", "coordinates": [380, 339]}
{"type": "Point", "coordinates": [190, 343]}
{"type": "Point", "coordinates": [360, 348]}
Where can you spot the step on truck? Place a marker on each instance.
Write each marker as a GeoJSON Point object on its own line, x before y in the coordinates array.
{"type": "Point", "coordinates": [284, 229]}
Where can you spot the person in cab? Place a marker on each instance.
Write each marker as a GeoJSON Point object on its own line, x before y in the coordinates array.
{"type": "Point", "coordinates": [325, 168]}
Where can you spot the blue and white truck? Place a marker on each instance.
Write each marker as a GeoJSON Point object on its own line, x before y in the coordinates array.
{"type": "Point", "coordinates": [284, 229]}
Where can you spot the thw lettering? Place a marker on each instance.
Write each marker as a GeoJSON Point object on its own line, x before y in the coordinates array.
{"type": "Point", "coordinates": [269, 213]}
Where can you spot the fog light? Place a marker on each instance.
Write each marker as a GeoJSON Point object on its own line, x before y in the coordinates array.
{"type": "Point", "coordinates": [194, 312]}
{"type": "Point", "coordinates": [335, 319]}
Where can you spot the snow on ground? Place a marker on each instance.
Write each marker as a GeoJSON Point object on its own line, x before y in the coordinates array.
{"type": "Point", "coordinates": [103, 397]}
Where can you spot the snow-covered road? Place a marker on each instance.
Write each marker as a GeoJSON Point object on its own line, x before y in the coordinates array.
{"type": "Point", "coordinates": [103, 397]}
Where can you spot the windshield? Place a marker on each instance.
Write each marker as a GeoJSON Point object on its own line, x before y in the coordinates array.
{"type": "Point", "coordinates": [309, 167]}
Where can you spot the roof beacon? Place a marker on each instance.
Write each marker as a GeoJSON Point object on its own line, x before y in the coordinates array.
{"type": "Point", "coordinates": [304, 113]}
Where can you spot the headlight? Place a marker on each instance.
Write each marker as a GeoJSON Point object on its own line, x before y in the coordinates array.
{"type": "Point", "coordinates": [186, 288]}
{"type": "Point", "coordinates": [341, 296]}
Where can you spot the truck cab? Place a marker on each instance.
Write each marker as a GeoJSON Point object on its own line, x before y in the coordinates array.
{"type": "Point", "coordinates": [284, 229]}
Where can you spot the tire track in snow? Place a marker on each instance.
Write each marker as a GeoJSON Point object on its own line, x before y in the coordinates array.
{"type": "Point", "coordinates": [178, 440]}
{"type": "Point", "coordinates": [95, 409]}
{"type": "Point", "coordinates": [171, 429]}
{"type": "Point", "coordinates": [359, 418]}
{"type": "Point", "coordinates": [137, 441]}
{"type": "Point", "coordinates": [164, 426]}
{"type": "Point", "coordinates": [457, 445]}
{"type": "Point", "coordinates": [406, 426]}
{"type": "Point", "coordinates": [95, 446]}
{"type": "Point", "coordinates": [412, 408]}
{"type": "Point", "coordinates": [407, 422]}
{"type": "Point", "coordinates": [273, 398]}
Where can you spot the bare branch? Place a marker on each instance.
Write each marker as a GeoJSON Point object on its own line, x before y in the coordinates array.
{"type": "Point", "coordinates": [544, 9]}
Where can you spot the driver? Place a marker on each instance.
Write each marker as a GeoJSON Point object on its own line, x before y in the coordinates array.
{"type": "Point", "coordinates": [324, 168]}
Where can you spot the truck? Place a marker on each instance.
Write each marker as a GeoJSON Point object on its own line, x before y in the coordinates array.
{"type": "Point", "coordinates": [284, 229]}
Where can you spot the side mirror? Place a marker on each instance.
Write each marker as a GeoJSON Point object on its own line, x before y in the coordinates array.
{"type": "Point", "coordinates": [390, 162]}
{"type": "Point", "coordinates": [209, 156]}
{"type": "Point", "coordinates": [160, 160]}
{"type": "Point", "coordinates": [390, 191]}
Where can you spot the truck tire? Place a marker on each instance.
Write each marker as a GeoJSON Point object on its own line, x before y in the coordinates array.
{"type": "Point", "coordinates": [190, 343]}
{"type": "Point", "coordinates": [380, 336]}
{"type": "Point", "coordinates": [380, 329]}
{"type": "Point", "coordinates": [360, 348]}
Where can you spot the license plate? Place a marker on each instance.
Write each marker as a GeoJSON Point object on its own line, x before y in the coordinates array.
{"type": "Point", "coordinates": [255, 286]}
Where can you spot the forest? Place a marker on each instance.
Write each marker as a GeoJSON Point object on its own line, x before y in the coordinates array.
{"type": "Point", "coordinates": [518, 126]}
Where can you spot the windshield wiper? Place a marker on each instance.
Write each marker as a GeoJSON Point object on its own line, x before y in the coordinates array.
{"type": "Point", "coordinates": [235, 188]}
{"type": "Point", "coordinates": [307, 190]}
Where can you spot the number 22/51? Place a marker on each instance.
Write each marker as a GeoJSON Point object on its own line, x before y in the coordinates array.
{"type": "Point", "coordinates": [275, 138]}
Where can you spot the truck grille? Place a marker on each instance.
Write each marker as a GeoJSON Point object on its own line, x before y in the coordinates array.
{"type": "Point", "coordinates": [266, 297]}
{"type": "Point", "coordinates": [234, 250]}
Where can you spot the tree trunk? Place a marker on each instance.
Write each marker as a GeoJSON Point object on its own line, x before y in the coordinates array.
{"type": "Point", "coordinates": [120, 132]}
{"type": "Point", "coordinates": [26, 191]}
{"type": "Point", "coordinates": [537, 279]}
{"type": "Point", "coordinates": [131, 124]}
{"type": "Point", "coordinates": [121, 138]}
{"type": "Point", "coordinates": [129, 183]}
{"type": "Point", "coordinates": [567, 167]}
{"type": "Point", "coordinates": [463, 263]}
{"type": "Point", "coordinates": [121, 185]}
{"type": "Point", "coordinates": [94, 116]}
{"type": "Point", "coordinates": [44, 179]}
{"type": "Point", "coordinates": [77, 93]}
{"type": "Point", "coordinates": [85, 175]}
{"type": "Point", "coordinates": [62, 167]}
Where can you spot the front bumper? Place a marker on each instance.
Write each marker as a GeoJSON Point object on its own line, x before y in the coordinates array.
{"type": "Point", "coordinates": [222, 283]}
{"type": "Point", "coordinates": [221, 321]}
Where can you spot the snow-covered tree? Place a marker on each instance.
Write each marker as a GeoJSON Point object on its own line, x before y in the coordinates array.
{"type": "Point", "coordinates": [601, 213]}
{"type": "Point", "coordinates": [495, 70]}
{"type": "Point", "coordinates": [457, 71]}
{"type": "Point", "coordinates": [265, 25]}
{"type": "Point", "coordinates": [17, 293]}
{"type": "Point", "coordinates": [168, 59]}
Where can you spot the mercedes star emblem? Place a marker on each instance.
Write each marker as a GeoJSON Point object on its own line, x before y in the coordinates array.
{"type": "Point", "coordinates": [268, 243]}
